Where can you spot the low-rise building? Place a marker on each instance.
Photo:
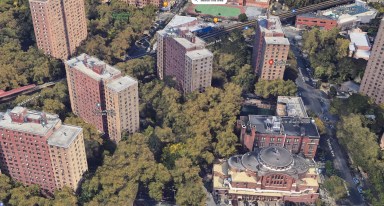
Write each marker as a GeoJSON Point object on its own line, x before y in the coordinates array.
{"type": "Point", "coordinates": [346, 17]}
{"type": "Point", "coordinates": [269, 175]}
{"type": "Point", "coordinates": [360, 47]}
{"type": "Point", "coordinates": [308, 20]}
{"type": "Point", "coordinates": [297, 134]}
{"type": "Point", "coordinates": [290, 106]}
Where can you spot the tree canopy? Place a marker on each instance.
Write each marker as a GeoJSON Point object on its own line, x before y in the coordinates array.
{"type": "Point", "coordinates": [274, 88]}
{"type": "Point", "coordinates": [328, 55]}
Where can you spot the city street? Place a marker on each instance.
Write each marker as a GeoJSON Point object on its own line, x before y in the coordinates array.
{"type": "Point", "coordinates": [312, 99]}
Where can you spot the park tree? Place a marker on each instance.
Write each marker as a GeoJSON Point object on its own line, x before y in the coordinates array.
{"type": "Point", "coordinates": [274, 88]}
{"type": "Point", "coordinates": [5, 187]}
{"type": "Point", "coordinates": [335, 187]}
{"type": "Point", "coordinates": [138, 68]}
{"type": "Point", "coordinates": [244, 78]}
{"type": "Point", "coordinates": [320, 126]}
{"type": "Point", "coordinates": [242, 17]}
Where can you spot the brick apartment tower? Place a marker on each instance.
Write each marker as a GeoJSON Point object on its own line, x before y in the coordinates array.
{"type": "Point", "coordinates": [142, 3]}
{"type": "Point", "coordinates": [270, 51]}
{"type": "Point", "coordinates": [372, 84]}
{"type": "Point", "coordinates": [60, 26]}
{"type": "Point", "coordinates": [102, 97]}
{"type": "Point", "coordinates": [36, 148]}
{"type": "Point", "coordinates": [185, 59]}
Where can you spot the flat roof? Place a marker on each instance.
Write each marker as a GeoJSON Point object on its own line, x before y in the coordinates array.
{"type": "Point", "coordinates": [276, 40]}
{"type": "Point", "coordinates": [270, 24]}
{"type": "Point", "coordinates": [121, 83]}
{"type": "Point", "coordinates": [79, 64]}
{"type": "Point", "coordinates": [190, 45]}
{"type": "Point", "coordinates": [29, 127]}
{"type": "Point", "coordinates": [294, 106]}
{"type": "Point", "coordinates": [359, 38]}
{"type": "Point", "coordinates": [179, 21]}
{"type": "Point", "coordinates": [292, 126]}
{"type": "Point", "coordinates": [317, 16]}
{"type": "Point", "coordinates": [198, 54]}
{"type": "Point", "coordinates": [64, 136]}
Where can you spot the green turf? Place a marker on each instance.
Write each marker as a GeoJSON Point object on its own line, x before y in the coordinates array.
{"type": "Point", "coordinates": [214, 10]}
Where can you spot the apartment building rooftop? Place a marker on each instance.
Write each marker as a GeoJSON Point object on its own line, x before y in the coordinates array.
{"type": "Point", "coordinates": [187, 44]}
{"type": "Point", "coordinates": [28, 121]}
{"type": "Point", "coordinates": [121, 83]}
{"type": "Point", "coordinates": [290, 106]}
{"type": "Point", "coordinates": [270, 25]}
{"type": "Point", "coordinates": [291, 126]}
{"type": "Point", "coordinates": [276, 40]}
{"type": "Point", "coordinates": [93, 67]}
{"type": "Point", "coordinates": [64, 136]}
{"type": "Point", "coordinates": [198, 54]}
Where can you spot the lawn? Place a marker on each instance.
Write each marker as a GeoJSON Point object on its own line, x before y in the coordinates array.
{"type": "Point", "coordinates": [215, 10]}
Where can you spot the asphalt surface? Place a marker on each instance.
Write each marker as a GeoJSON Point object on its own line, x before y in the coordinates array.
{"type": "Point", "coordinates": [316, 101]}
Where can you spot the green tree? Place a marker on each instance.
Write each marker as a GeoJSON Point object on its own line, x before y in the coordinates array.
{"type": "Point", "coordinates": [244, 77]}
{"type": "Point", "coordinates": [274, 88]}
{"type": "Point", "coordinates": [64, 197]}
{"type": "Point", "coordinates": [242, 17]}
{"type": "Point", "coordinates": [335, 186]}
{"type": "Point", "coordinates": [5, 187]}
{"type": "Point", "coordinates": [320, 126]}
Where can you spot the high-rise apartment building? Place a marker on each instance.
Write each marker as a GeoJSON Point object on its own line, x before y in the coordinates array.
{"type": "Point", "coordinates": [176, 22]}
{"type": "Point", "coordinates": [373, 80]}
{"type": "Point", "coordinates": [36, 148]}
{"type": "Point", "coordinates": [122, 102]}
{"type": "Point", "coordinates": [270, 51]}
{"type": "Point", "coordinates": [183, 56]}
{"type": "Point", "coordinates": [60, 26]}
{"type": "Point", "coordinates": [102, 97]}
{"type": "Point", "coordinates": [142, 3]}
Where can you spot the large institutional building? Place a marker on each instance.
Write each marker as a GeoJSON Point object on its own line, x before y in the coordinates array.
{"type": "Point", "coordinates": [343, 17]}
{"type": "Point", "coordinates": [60, 26]}
{"type": "Point", "coordinates": [296, 134]}
{"type": "Point", "coordinates": [102, 96]}
{"type": "Point", "coordinates": [373, 80]}
{"type": "Point", "coordinates": [271, 175]}
{"type": "Point", "coordinates": [36, 148]}
{"type": "Point", "coordinates": [182, 56]}
{"type": "Point", "coordinates": [270, 50]}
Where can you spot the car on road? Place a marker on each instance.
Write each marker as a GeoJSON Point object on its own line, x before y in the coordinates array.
{"type": "Point", "coordinates": [356, 181]}
{"type": "Point", "coordinates": [360, 189]}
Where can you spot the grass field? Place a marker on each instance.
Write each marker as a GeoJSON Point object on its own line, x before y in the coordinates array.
{"type": "Point", "coordinates": [215, 10]}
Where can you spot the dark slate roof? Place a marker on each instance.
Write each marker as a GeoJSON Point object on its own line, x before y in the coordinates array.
{"type": "Point", "coordinates": [292, 126]}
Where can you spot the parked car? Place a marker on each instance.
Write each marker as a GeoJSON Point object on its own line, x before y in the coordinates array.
{"type": "Point", "coordinates": [355, 180]}
{"type": "Point", "coordinates": [360, 190]}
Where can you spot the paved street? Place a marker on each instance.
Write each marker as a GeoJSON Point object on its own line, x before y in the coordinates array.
{"type": "Point", "coordinates": [312, 99]}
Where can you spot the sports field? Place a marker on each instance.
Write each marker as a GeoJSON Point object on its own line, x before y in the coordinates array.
{"type": "Point", "coordinates": [216, 10]}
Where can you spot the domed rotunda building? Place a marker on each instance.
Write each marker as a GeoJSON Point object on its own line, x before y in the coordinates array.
{"type": "Point", "coordinates": [268, 174]}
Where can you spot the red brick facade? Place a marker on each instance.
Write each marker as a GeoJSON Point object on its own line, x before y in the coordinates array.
{"type": "Point", "coordinates": [25, 157]}
{"type": "Point", "coordinates": [303, 22]}
{"type": "Point", "coordinates": [295, 144]}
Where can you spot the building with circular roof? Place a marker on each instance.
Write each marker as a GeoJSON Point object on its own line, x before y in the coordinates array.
{"type": "Point", "coordinates": [268, 174]}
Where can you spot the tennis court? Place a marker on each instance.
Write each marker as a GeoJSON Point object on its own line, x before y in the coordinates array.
{"type": "Point", "coordinates": [215, 10]}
